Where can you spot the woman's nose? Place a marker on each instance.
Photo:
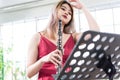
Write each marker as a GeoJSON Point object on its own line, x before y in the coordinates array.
{"type": "Point", "coordinates": [66, 13]}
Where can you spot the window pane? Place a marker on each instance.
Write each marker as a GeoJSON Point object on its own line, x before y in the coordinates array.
{"type": "Point", "coordinates": [30, 28]}
{"type": "Point", "coordinates": [15, 40]}
{"type": "Point", "coordinates": [107, 28]}
{"type": "Point", "coordinates": [104, 17]}
{"type": "Point", "coordinates": [76, 22]}
{"type": "Point", "coordinates": [83, 21]}
{"type": "Point", "coordinates": [18, 40]}
{"type": "Point", "coordinates": [116, 12]}
{"type": "Point", "coordinates": [41, 24]}
{"type": "Point", "coordinates": [22, 33]}
{"type": "Point", "coordinates": [6, 33]}
{"type": "Point", "coordinates": [117, 29]}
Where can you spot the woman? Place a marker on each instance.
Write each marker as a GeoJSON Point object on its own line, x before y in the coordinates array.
{"type": "Point", "coordinates": [43, 55]}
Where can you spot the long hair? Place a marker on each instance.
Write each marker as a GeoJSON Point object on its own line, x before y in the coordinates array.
{"type": "Point", "coordinates": [68, 28]}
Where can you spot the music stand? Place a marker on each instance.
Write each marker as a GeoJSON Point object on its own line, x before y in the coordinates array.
{"type": "Point", "coordinates": [95, 56]}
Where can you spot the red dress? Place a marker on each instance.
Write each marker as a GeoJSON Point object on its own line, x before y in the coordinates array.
{"type": "Point", "coordinates": [44, 48]}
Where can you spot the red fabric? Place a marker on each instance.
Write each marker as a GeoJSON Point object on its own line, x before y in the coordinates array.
{"type": "Point", "coordinates": [45, 47]}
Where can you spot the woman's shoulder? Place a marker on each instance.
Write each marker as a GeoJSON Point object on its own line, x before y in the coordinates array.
{"type": "Point", "coordinates": [76, 36]}
{"type": "Point", "coordinates": [37, 36]}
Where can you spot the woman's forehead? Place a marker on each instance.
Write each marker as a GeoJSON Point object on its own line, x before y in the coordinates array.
{"type": "Point", "coordinates": [66, 6]}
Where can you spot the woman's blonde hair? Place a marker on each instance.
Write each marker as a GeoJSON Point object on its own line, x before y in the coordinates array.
{"type": "Point", "coordinates": [68, 28]}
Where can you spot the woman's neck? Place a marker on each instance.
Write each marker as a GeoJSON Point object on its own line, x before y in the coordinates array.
{"type": "Point", "coordinates": [53, 35]}
{"type": "Point", "coordinates": [53, 32]}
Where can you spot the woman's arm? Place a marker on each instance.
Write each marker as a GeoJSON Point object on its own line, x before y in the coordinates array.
{"type": "Point", "coordinates": [33, 66]}
{"type": "Point", "coordinates": [91, 21]}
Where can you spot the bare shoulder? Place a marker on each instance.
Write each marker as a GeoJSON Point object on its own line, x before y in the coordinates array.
{"type": "Point", "coordinates": [76, 36]}
{"type": "Point", "coordinates": [36, 38]}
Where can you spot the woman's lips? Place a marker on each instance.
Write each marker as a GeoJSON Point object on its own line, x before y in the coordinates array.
{"type": "Point", "coordinates": [64, 16]}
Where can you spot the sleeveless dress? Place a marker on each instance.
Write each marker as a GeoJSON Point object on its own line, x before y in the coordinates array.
{"type": "Point", "coordinates": [44, 48]}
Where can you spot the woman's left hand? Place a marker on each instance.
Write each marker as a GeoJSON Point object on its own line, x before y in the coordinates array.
{"type": "Point", "coordinates": [76, 3]}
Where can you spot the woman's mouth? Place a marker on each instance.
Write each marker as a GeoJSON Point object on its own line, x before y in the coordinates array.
{"type": "Point", "coordinates": [64, 16]}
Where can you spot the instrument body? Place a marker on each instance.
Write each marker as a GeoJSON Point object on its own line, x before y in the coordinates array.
{"type": "Point", "coordinates": [59, 47]}
{"type": "Point", "coordinates": [59, 42]}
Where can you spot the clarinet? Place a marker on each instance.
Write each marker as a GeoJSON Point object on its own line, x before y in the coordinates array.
{"type": "Point", "coordinates": [59, 46]}
{"type": "Point", "coordinates": [59, 43]}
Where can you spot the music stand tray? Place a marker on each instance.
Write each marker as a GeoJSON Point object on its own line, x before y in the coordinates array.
{"type": "Point", "coordinates": [95, 56]}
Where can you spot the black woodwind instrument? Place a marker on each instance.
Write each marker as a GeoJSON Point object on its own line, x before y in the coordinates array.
{"type": "Point", "coordinates": [59, 46]}
{"type": "Point", "coordinates": [59, 42]}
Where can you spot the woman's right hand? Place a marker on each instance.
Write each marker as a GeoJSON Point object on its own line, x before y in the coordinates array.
{"type": "Point", "coordinates": [76, 3]}
{"type": "Point", "coordinates": [55, 57]}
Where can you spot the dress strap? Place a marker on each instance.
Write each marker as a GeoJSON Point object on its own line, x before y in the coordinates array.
{"type": "Point", "coordinates": [40, 33]}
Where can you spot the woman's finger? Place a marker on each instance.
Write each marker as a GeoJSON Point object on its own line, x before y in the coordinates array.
{"type": "Point", "coordinates": [51, 60]}
{"type": "Point", "coordinates": [58, 56]}
{"type": "Point", "coordinates": [55, 60]}
{"type": "Point", "coordinates": [60, 53]}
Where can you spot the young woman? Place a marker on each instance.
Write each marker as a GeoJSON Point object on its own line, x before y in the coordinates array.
{"type": "Point", "coordinates": [43, 55]}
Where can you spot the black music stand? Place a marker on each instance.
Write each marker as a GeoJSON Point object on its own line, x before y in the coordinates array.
{"type": "Point", "coordinates": [95, 56]}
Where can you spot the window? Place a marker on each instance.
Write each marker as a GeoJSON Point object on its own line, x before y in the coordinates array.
{"type": "Point", "coordinates": [16, 36]}
{"type": "Point", "coordinates": [41, 24]}
{"type": "Point", "coordinates": [116, 12]}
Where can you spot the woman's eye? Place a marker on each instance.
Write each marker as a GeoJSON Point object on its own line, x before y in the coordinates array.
{"type": "Point", "coordinates": [63, 9]}
{"type": "Point", "coordinates": [70, 13]}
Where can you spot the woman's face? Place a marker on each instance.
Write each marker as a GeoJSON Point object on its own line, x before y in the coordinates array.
{"type": "Point", "coordinates": [65, 13]}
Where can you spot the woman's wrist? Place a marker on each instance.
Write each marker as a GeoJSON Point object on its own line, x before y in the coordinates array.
{"type": "Point", "coordinates": [41, 61]}
{"type": "Point", "coordinates": [82, 6]}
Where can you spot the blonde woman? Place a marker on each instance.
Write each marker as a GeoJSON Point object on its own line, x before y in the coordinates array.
{"type": "Point", "coordinates": [43, 55]}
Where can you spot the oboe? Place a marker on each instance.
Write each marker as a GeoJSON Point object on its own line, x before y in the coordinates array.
{"type": "Point", "coordinates": [59, 42]}
{"type": "Point", "coordinates": [59, 46]}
